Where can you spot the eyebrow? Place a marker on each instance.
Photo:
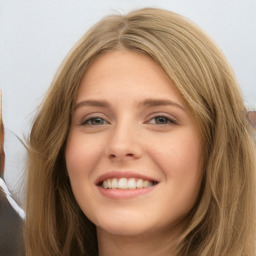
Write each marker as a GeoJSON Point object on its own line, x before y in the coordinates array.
{"type": "Point", "coordinates": [95, 103]}
{"type": "Point", "coordinates": [145, 103]}
{"type": "Point", "coordinates": [160, 102]}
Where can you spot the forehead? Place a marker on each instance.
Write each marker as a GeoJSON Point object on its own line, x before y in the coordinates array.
{"type": "Point", "coordinates": [123, 71]}
{"type": "Point", "coordinates": [123, 60]}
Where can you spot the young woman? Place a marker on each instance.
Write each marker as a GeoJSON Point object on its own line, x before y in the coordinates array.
{"type": "Point", "coordinates": [142, 147]}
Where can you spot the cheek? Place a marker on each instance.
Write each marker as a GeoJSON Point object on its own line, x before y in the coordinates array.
{"type": "Point", "coordinates": [178, 154]}
{"type": "Point", "coordinates": [180, 159]}
{"type": "Point", "coordinates": [74, 159]}
{"type": "Point", "coordinates": [81, 153]}
{"type": "Point", "coordinates": [81, 159]}
{"type": "Point", "coordinates": [188, 157]}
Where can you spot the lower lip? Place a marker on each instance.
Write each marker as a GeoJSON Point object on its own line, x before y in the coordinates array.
{"type": "Point", "coordinates": [125, 193]}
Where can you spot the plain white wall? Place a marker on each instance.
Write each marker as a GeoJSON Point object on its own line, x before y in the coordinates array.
{"type": "Point", "coordinates": [35, 36]}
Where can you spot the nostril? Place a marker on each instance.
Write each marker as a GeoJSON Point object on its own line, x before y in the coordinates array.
{"type": "Point", "coordinates": [121, 156]}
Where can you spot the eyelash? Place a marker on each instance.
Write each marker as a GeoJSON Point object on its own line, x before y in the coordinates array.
{"type": "Point", "coordinates": [163, 117]}
{"type": "Point", "coordinates": [102, 121]}
{"type": "Point", "coordinates": [91, 119]}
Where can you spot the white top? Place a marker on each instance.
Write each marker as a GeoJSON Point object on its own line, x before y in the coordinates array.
{"type": "Point", "coordinates": [11, 200]}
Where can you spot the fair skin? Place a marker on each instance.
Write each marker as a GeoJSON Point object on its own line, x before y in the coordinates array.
{"type": "Point", "coordinates": [130, 124]}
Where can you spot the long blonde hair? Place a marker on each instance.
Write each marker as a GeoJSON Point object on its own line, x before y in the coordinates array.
{"type": "Point", "coordinates": [222, 222]}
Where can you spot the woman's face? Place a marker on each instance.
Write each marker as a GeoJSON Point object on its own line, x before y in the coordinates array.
{"type": "Point", "coordinates": [134, 154]}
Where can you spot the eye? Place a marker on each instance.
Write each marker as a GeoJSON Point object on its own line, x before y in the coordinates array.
{"type": "Point", "coordinates": [162, 120]}
{"type": "Point", "coordinates": [94, 121]}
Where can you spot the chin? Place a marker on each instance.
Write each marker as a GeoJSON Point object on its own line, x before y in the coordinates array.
{"type": "Point", "coordinates": [128, 225]}
{"type": "Point", "coordinates": [121, 229]}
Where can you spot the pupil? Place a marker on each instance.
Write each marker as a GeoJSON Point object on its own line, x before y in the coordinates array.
{"type": "Point", "coordinates": [161, 120]}
{"type": "Point", "coordinates": [97, 121]}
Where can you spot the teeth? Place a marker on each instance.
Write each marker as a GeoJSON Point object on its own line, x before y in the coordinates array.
{"type": "Point", "coordinates": [145, 183]}
{"type": "Point", "coordinates": [140, 183]}
{"type": "Point", "coordinates": [105, 184]}
{"type": "Point", "coordinates": [114, 183]}
{"type": "Point", "coordinates": [131, 183]}
{"type": "Point", "coordinates": [124, 183]}
{"type": "Point", "coordinates": [109, 183]}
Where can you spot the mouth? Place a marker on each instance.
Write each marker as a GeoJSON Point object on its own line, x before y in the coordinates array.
{"type": "Point", "coordinates": [126, 183]}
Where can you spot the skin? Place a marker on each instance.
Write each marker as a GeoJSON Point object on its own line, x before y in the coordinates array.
{"type": "Point", "coordinates": [130, 118]}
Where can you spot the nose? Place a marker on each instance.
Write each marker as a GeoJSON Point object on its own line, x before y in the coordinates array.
{"type": "Point", "coordinates": [123, 144]}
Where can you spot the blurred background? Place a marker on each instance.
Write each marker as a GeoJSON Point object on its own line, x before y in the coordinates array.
{"type": "Point", "coordinates": [35, 36]}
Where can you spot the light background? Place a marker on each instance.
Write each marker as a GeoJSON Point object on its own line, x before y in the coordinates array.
{"type": "Point", "coordinates": [35, 36]}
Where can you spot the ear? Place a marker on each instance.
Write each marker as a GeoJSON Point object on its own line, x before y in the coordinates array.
{"type": "Point", "coordinates": [2, 156]}
{"type": "Point", "coordinates": [251, 116]}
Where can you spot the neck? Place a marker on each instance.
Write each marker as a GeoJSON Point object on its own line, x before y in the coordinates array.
{"type": "Point", "coordinates": [146, 244]}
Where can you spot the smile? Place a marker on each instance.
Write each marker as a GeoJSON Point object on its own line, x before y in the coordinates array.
{"type": "Point", "coordinates": [126, 183]}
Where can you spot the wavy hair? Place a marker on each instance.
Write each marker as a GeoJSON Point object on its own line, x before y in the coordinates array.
{"type": "Point", "coordinates": [222, 221]}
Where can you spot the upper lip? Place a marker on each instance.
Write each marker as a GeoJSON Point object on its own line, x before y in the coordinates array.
{"type": "Point", "coordinates": [123, 174]}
